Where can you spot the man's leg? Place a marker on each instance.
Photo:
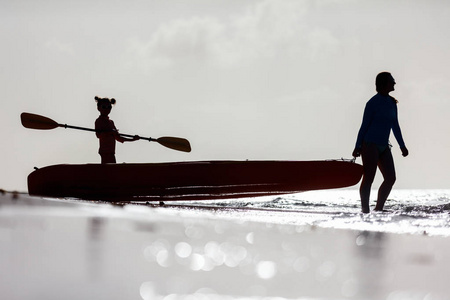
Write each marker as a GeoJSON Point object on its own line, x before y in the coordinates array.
{"type": "Point", "coordinates": [386, 165]}
{"type": "Point", "coordinates": [369, 155]}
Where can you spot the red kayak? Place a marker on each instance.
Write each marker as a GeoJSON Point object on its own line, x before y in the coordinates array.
{"type": "Point", "coordinates": [190, 180]}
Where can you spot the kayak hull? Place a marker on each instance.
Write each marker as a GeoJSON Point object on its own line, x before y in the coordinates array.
{"type": "Point", "coordinates": [190, 180]}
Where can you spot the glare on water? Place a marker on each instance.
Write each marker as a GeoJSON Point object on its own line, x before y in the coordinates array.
{"type": "Point", "coordinates": [407, 211]}
{"type": "Point", "coordinates": [305, 246]}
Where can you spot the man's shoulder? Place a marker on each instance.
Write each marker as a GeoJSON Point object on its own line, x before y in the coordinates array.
{"type": "Point", "coordinates": [373, 101]}
{"type": "Point", "coordinates": [375, 98]}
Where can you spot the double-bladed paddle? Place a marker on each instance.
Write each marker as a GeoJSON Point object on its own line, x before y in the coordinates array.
{"type": "Point", "coordinates": [34, 121]}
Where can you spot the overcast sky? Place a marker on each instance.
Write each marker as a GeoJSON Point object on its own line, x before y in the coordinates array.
{"type": "Point", "coordinates": [271, 79]}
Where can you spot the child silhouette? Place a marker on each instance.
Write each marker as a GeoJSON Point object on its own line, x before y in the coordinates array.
{"type": "Point", "coordinates": [107, 132]}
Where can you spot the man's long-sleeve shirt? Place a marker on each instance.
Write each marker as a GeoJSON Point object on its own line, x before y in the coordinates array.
{"type": "Point", "coordinates": [380, 116]}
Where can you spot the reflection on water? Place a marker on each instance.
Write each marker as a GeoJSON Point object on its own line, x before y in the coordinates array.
{"type": "Point", "coordinates": [86, 251]}
{"type": "Point", "coordinates": [95, 226]}
{"type": "Point", "coordinates": [374, 272]}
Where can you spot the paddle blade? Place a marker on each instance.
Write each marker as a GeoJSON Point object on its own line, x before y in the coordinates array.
{"type": "Point", "coordinates": [175, 143]}
{"type": "Point", "coordinates": [37, 122]}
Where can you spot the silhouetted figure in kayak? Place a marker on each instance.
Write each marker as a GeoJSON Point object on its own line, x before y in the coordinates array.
{"type": "Point", "coordinates": [380, 117]}
{"type": "Point", "coordinates": [107, 132]}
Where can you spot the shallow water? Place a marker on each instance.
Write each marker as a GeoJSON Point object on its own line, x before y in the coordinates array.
{"type": "Point", "coordinates": [407, 211]}
{"type": "Point", "coordinates": [288, 247]}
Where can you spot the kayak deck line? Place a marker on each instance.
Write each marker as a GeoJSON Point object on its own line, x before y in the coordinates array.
{"type": "Point", "coordinates": [221, 186]}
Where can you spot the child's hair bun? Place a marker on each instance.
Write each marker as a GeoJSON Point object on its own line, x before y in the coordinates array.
{"type": "Point", "coordinates": [99, 99]}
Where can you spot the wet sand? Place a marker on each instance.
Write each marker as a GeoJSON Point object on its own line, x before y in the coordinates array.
{"type": "Point", "coordinates": [58, 249]}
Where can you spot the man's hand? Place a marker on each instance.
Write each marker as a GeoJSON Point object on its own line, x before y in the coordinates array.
{"type": "Point", "coordinates": [405, 151]}
{"type": "Point", "coordinates": [356, 152]}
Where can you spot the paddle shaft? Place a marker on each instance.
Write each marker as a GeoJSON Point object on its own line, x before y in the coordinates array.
{"type": "Point", "coordinates": [93, 130]}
